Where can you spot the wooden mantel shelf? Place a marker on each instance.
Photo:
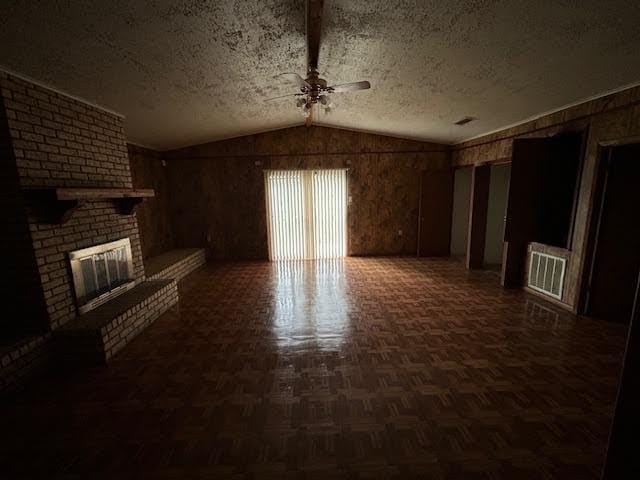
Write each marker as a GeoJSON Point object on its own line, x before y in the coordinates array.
{"type": "Point", "coordinates": [59, 203]}
{"type": "Point", "coordinates": [66, 193]}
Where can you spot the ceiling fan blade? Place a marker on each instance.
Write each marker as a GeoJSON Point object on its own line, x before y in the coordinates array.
{"type": "Point", "coordinates": [349, 87]}
{"type": "Point", "coordinates": [314, 31]}
{"type": "Point", "coordinates": [296, 79]}
{"type": "Point", "coordinates": [283, 96]}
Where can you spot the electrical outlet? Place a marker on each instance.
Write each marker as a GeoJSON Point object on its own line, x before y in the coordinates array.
{"type": "Point", "coordinates": [399, 233]}
{"type": "Point", "coordinates": [258, 163]}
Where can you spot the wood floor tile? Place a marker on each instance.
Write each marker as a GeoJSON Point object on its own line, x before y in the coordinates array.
{"type": "Point", "coordinates": [359, 368]}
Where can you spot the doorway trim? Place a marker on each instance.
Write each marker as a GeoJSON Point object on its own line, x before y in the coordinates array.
{"type": "Point", "coordinates": [603, 156]}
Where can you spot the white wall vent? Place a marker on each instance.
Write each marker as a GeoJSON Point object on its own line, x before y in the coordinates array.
{"type": "Point", "coordinates": [546, 274]}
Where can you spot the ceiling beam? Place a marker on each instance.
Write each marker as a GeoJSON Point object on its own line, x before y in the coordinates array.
{"type": "Point", "coordinates": [314, 32]}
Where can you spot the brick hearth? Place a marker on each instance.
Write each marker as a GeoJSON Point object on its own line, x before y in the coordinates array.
{"type": "Point", "coordinates": [101, 333]}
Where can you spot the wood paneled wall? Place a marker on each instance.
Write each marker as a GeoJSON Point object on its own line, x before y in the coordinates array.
{"type": "Point", "coordinates": [148, 171]}
{"type": "Point", "coordinates": [218, 188]}
{"type": "Point", "coordinates": [615, 117]}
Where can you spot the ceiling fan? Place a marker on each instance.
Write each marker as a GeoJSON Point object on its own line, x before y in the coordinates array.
{"type": "Point", "coordinates": [313, 89]}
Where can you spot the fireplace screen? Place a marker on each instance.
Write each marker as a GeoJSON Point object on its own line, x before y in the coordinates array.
{"type": "Point", "coordinates": [101, 273]}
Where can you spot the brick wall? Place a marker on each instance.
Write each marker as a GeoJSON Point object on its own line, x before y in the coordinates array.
{"type": "Point", "coordinates": [59, 141]}
{"type": "Point", "coordinates": [20, 289]}
{"type": "Point", "coordinates": [19, 362]}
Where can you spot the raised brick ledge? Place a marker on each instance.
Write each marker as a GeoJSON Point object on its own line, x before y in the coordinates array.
{"type": "Point", "coordinates": [22, 358]}
{"type": "Point", "coordinates": [175, 264]}
{"type": "Point", "coordinates": [97, 335]}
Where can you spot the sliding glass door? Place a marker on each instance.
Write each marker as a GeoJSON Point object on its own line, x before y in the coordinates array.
{"type": "Point", "coordinates": [306, 213]}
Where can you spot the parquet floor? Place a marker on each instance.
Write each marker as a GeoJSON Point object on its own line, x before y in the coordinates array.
{"type": "Point", "coordinates": [359, 368]}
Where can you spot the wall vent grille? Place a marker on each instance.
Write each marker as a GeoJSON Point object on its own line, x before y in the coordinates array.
{"type": "Point", "coordinates": [464, 121]}
{"type": "Point", "coordinates": [546, 274]}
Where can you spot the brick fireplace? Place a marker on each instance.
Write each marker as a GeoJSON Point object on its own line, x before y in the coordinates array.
{"type": "Point", "coordinates": [53, 143]}
{"type": "Point", "coordinates": [61, 142]}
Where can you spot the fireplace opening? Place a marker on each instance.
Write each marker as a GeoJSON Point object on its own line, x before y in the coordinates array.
{"type": "Point", "coordinates": [101, 273]}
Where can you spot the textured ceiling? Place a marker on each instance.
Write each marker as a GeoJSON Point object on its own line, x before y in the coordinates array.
{"type": "Point", "coordinates": [186, 72]}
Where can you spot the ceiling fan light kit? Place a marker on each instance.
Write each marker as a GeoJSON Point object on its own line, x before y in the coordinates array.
{"type": "Point", "coordinates": [313, 89]}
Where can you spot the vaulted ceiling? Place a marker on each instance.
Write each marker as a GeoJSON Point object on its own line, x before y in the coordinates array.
{"type": "Point", "coordinates": [186, 72]}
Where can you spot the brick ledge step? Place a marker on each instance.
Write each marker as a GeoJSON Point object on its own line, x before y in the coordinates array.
{"type": "Point", "coordinates": [177, 263]}
{"type": "Point", "coordinates": [99, 334]}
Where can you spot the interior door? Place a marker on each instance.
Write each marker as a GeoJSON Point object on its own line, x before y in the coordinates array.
{"type": "Point", "coordinates": [436, 201]}
{"type": "Point", "coordinates": [616, 262]}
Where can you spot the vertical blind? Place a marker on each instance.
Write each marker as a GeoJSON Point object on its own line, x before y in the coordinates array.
{"type": "Point", "coordinates": [306, 213]}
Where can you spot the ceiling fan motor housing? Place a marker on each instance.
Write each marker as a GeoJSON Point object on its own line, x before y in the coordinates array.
{"type": "Point", "coordinates": [318, 86]}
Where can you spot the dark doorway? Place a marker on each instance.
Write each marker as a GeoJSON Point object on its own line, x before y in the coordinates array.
{"type": "Point", "coordinates": [496, 216]}
{"type": "Point", "coordinates": [460, 212]}
{"type": "Point", "coordinates": [436, 198]}
{"type": "Point", "coordinates": [616, 252]}
{"type": "Point", "coordinates": [543, 188]}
